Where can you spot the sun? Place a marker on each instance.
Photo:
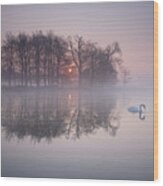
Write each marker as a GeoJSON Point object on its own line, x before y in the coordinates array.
{"type": "Point", "coordinates": [70, 70]}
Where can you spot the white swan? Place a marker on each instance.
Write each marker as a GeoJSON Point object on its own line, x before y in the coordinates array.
{"type": "Point", "coordinates": [138, 109]}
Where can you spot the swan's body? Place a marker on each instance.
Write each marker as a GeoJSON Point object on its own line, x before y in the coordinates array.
{"type": "Point", "coordinates": [138, 109]}
{"type": "Point", "coordinates": [133, 109]}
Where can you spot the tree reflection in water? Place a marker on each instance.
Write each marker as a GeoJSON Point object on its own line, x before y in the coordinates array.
{"type": "Point", "coordinates": [57, 114]}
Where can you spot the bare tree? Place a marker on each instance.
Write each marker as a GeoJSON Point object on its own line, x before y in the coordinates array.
{"type": "Point", "coordinates": [91, 58]}
{"type": "Point", "coordinates": [60, 49]}
{"type": "Point", "coordinates": [108, 61]}
{"type": "Point", "coordinates": [76, 49]}
{"type": "Point", "coordinates": [23, 53]}
{"type": "Point", "coordinates": [37, 43]}
{"type": "Point", "coordinates": [8, 51]}
{"type": "Point", "coordinates": [47, 56]}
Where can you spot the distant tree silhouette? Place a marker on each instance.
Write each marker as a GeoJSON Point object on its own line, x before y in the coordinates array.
{"type": "Point", "coordinates": [60, 49]}
{"type": "Point", "coordinates": [37, 43]}
{"type": "Point", "coordinates": [77, 48]}
{"type": "Point", "coordinates": [23, 51]}
{"type": "Point", "coordinates": [39, 59]}
{"type": "Point", "coordinates": [8, 58]}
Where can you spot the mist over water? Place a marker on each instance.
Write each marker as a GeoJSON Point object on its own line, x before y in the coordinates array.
{"type": "Point", "coordinates": [77, 134]}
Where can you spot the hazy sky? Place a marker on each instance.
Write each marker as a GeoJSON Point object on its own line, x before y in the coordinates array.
{"type": "Point", "coordinates": [131, 24]}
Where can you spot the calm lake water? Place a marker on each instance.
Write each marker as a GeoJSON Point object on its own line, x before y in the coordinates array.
{"type": "Point", "coordinates": [68, 134]}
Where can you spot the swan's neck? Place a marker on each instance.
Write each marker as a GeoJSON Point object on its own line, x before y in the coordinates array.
{"type": "Point", "coordinates": [142, 107]}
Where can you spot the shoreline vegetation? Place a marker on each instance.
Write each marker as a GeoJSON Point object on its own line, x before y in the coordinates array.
{"type": "Point", "coordinates": [51, 61]}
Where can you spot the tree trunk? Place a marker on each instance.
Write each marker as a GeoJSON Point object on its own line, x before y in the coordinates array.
{"type": "Point", "coordinates": [30, 76]}
{"type": "Point", "coordinates": [9, 75]}
{"type": "Point", "coordinates": [25, 73]}
{"type": "Point", "coordinates": [38, 76]}
{"type": "Point", "coordinates": [57, 71]}
{"type": "Point", "coordinates": [80, 76]}
{"type": "Point", "coordinates": [22, 72]}
{"type": "Point", "coordinates": [92, 73]}
{"type": "Point", "coordinates": [37, 69]}
{"type": "Point", "coordinates": [44, 74]}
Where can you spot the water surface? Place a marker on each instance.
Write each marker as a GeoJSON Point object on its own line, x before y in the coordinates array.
{"type": "Point", "coordinates": [72, 134]}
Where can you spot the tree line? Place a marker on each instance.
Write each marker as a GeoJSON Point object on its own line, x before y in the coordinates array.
{"type": "Point", "coordinates": [42, 59]}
